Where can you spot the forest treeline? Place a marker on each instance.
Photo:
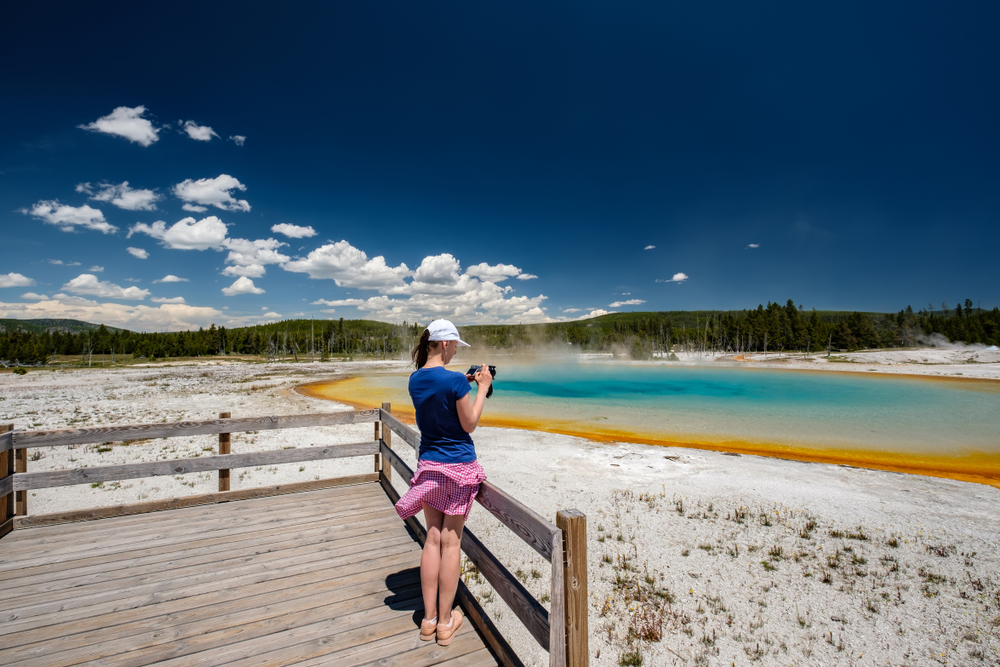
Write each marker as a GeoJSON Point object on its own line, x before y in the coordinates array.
{"type": "Point", "coordinates": [774, 327]}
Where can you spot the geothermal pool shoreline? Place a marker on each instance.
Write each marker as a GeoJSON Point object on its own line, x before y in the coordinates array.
{"type": "Point", "coordinates": [976, 467]}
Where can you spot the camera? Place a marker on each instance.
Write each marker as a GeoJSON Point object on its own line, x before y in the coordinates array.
{"type": "Point", "coordinates": [475, 369]}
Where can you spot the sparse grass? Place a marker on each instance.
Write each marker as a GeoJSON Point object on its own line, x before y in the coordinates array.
{"type": "Point", "coordinates": [630, 658]}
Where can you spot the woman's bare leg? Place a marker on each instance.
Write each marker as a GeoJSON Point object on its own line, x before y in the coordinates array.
{"type": "Point", "coordinates": [450, 564]}
{"type": "Point", "coordinates": [430, 561]}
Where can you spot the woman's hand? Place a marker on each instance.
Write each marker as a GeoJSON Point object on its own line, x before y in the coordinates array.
{"type": "Point", "coordinates": [469, 412]}
{"type": "Point", "coordinates": [483, 378]}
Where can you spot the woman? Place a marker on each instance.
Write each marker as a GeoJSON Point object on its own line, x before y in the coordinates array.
{"type": "Point", "coordinates": [448, 475]}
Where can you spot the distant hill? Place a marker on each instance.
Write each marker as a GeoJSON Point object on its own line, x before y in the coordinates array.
{"type": "Point", "coordinates": [51, 325]}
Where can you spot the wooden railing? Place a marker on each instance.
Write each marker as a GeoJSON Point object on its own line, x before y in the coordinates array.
{"type": "Point", "coordinates": [562, 630]}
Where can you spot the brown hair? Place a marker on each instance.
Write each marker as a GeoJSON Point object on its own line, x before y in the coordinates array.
{"type": "Point", "coordinates": [419, 354]}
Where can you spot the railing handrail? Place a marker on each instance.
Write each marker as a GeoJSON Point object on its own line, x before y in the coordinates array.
{"type": "Point", "coordinates": [90, 435]}
{"type": "Point", "coordinates": [69, 477]}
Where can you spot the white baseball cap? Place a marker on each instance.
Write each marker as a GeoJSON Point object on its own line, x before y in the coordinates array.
{"type": "Point", "coordinates": [445, 330]}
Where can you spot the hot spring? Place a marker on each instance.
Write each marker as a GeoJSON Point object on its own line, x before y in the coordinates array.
{"type": "Point", "coordinates": [942, 427]}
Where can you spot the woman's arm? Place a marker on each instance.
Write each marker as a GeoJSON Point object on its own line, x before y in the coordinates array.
{"type": "Point", "coordinates": [469, 412]}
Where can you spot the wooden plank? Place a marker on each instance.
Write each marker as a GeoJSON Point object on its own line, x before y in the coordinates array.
{"type": "Point", "coordinates": [155, 591]}
{"type": "Point", "coordinates": [215, 646]}
{"type": "Point", "coordinates": [175, 536]}
{"type": "Point", "coordinates": [82, 436]}
{"type": "Point", "coordinates": [225, 440]}
{"type": "Point", "coordinates": [7, 526]}
{"type": "Point", "coordinates": [6, 438]}
{"type": "Point", "coordinates": [378, 438]}
{"type": "Point", "coordinates": [177, 612]}
{"type": "Point", "coordinates": [109, 544]}
{"type": "Point", "coordinates": [173, 601]}
{"type": "Point", "coordinates": [402, 650]}
{"type": "Point", "coordinates": [557, 605]}
{"type": "Point", "coordinates": [386, 441]}
{"type": "Point", "coordinates": [45, 541]}
{"type": "Point", "coordinates": [521, 519]}
{"type": "Point", "coordinates": [275, 641]}
{"type": "Point", "coordinates": [411, 437]}
{"type": "Point", "coordinates": [317, 536]}
{"type": "Point", "coordinates": [44, 480]}
{"type": "Point", "coordinates": [573, 524]}
{"type": "Point", "coordinates": [262, 499]}
{"type": "Point", "coordinates": [527, 609]}
{"type": "Point", "coordinates": [6, 486]}
{"type": "Point", "coordinates": [112, 638]}
{"type": "Point", "coordinates": [190, 501]}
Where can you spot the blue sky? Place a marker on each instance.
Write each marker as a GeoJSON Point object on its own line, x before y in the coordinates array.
{"type": "Point", "coordinates": [495, 163]}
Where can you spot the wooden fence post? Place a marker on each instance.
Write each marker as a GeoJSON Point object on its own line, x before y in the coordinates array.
{"type": "Point", "coordinates": [21, 465]}
{"type": "Point", "coordinates": [387, 439]}
{"type": "Point", "coordinates": [7, 507]}
{"type": "Point", "coordinates": [377, 438]}
{"type": "Point", "coordinates": [224, 442]}
{"type": "Point", "coordinates": [573, 524]}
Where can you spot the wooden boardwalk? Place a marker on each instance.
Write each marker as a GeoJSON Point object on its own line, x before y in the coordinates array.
{"type": "Point", "coordinates": [324, 577]}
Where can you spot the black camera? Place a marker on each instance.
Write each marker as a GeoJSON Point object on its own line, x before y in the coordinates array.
{"type": "Point", "coordinates": [475, 369]}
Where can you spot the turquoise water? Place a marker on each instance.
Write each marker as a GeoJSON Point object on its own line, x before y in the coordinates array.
{"type": "Point", "coordinates": [795, 408]}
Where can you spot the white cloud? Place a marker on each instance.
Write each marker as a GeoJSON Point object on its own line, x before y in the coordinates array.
{"type": "Point", "coordinates": [138, 317]}
{"type": "Point", "coordinates": [630, 302]}
{"type": "Point", "coordinates": [339, 302]}
{"type": "Point", "coordinates": [251, 271]}
{"type": "Point", "coordinates": [122, 196]}
{"type": "Point", "coordinates": [198, 132]}
{"type": "Point", "coordinates": [493, 274]}
{"type": "Point", "coordinates": [438, 270]}
{"type": "Point", "coordinates": [138, 252]}
{"type": "Point", "coordinates": [437, 288]}
{"type": "Point", "coordinates": [248, 258]}
{"type": "Point", "coordinates": [96, 269]}
{"type": "Point", "coordinates": [678, 278]}
{"type": "Point", "coordinates": [349, 267]}
{"type": "Point", "coordinates": [650, 247]}
{"type": "Point", "coordinates": [87, 283]}
{"type": "Point", "coordinates": [34, 297]}
{"type": "Point", "coordinates": [132, 280]}
{"type": "Point", "coordinates": [15, 280]}
{"type": "Point", "coordinates": [527, 276]}
{"type": "Point", "coordinates": [126, 122]}
{"type": "Point", "coordinates": [571, 310]}
{"type": "Point", "coordinates": [597, 312]}
{"type": "Point", "coordinates": [194, 208]}
{"type": "Point", "coordinates": [211, 192]}
{"type": "Point", "coordinates": [186, 234]}
{"type": "Point", "coordinates": [237, 139]}
{"type": "Point", "coordinates": [67, 217]}
{"type": "Point", "coordinates": [293, 231]}
{"type": "Point", "coordinates": [160, 299]}
{"type": "Point", "coordinates": [752, 245]}
{"type": "Point", "coordinates": [243, 285]}
{"type": "Point", "coordinates": [171, 278]}
{"type": "Point", "coordinates": [273, 315]}
{"type": "Point", "coordinates": [59, 262]}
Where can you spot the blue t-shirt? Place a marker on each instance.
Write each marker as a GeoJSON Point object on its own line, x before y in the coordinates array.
{"type": "Point", "coordinates": [434, 392]}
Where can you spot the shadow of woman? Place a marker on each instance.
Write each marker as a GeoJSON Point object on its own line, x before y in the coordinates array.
{"type": "Point", "coordinates": [406, 595]}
